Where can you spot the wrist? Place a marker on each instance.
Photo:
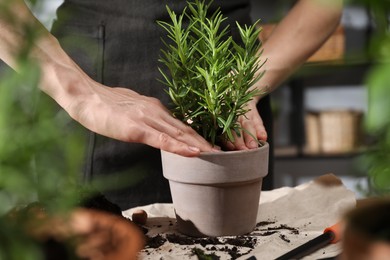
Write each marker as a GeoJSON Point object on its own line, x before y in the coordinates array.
{"type": "Point", "coordinates": [65, 83]}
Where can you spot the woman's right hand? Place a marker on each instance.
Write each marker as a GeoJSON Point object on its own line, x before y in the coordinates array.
{"type": "Point", "coordinates": [125, 115]}
{"type": "Point", "coordinates": [117, 113]}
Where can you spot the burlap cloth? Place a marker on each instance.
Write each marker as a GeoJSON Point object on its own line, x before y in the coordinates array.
{"type": "Point", "coordinates": [308, 208]}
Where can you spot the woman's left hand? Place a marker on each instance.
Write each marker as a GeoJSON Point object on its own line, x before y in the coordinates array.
{"type": "Point", "coordinates": [254, 128]}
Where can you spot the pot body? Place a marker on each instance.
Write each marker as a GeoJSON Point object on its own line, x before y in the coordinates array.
{"type": "Point", "coordinates": [216, 194]}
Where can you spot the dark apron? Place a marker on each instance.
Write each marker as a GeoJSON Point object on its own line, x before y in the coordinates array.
{"type": "Point", "coordinates": [118, 43]}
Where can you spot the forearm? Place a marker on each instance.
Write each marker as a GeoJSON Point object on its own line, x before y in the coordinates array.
{"type": "Point", "coordinates": [22, 33]}
{"type": "Point", "coordinates": [305, 28]}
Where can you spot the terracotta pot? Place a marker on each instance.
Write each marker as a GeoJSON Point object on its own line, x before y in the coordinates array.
{"type": "Point", "coordinates": [367, 232]}
{"type": "Point", "coordinates": [82, 234]}
{"type": "Point", "coordinates": [216, 194]}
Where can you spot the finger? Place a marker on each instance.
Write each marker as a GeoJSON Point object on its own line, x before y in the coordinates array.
{"type": "Point", "coordinates": [254, 117]}
{"type": "Point", "coordinates": [239, 142]}
{"type": "Point", "coordinates": [229, 146]}
{"type": "Point", "coordinates": [163, 141]}
{"type": "Point", "coordinates": [261, 133]}
{"type": "Point", "coordinates": [249, 134]}
{"type": "Point", "coordinates": [185, 133]}
{"type": "Point", "coordinates": [181, 132]}
{"type": "Point", "coordinates": [256, 122]}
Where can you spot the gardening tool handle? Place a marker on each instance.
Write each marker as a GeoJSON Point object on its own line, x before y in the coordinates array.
{"type": "Point", "coordinates": [336, 229]}
{"type": "Point", "coordinates": [331, 234]}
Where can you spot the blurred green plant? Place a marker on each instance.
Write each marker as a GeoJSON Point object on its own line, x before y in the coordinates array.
{"type": "Point", "coordinates": [39, 157]}
{"type": "Point", "coordinates": [376, 161]}
{"type": "Point", "coordinates": [40, 153]}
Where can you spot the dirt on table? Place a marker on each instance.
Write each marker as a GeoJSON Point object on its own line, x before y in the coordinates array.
{"type": "Point", "coordinates": [237, 246]}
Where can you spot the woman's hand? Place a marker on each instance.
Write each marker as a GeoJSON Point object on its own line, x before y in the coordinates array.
{"type": "Point", "coordinates": [254, 130]}
{"type": "Point", "coordinates": [125, 115]}
{"type": "Point", "coordinates": [113, 112]}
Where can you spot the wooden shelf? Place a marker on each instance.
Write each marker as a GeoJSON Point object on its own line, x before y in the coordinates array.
{"type": "Point", "coordinates": [292, 152]}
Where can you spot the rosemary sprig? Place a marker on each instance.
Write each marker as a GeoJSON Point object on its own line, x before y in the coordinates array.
{"type": "Point", "coordinates": [209, 75]}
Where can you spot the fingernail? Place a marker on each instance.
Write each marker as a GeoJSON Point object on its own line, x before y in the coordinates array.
{"type": "Point", "coordinates": [194, 149]}
{"type": "Point", "coordinates": [263, 135]}
{"type": "Point", "coordinates": [253, 144]}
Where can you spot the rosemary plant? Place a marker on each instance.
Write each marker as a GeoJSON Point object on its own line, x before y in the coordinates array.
{"type": "Point", "coordinates": [209, 76]}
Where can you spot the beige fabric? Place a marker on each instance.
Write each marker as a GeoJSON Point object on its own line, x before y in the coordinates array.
{"type": "Point", "coordinates": [310, 207]}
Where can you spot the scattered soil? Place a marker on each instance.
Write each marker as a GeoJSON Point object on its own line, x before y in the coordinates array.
{"type": "Point", "coordinates": [264, 234]}
{"type": "Point", "coordinates": [234, 246]}
{"type": "Point", "coordinates": [184, 240]}
{"type": "Point", "coordinates": [242, 241]}
{"type": "Point", "coordinates": [283, 237]}
{"type": "Point", "coordinates": [293, 230]}
{"type": "Point", "coordinates": [233, 252]}
{"type": "Point", "coordinates": [155, 242]}
{"type": "Point", "coordinates": [264, 223]}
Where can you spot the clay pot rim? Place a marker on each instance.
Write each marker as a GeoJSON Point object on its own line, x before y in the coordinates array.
{"type": "Point", "coordinates": [232, 153]}
{"type": "Point", "coordinates": [217, 167]}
